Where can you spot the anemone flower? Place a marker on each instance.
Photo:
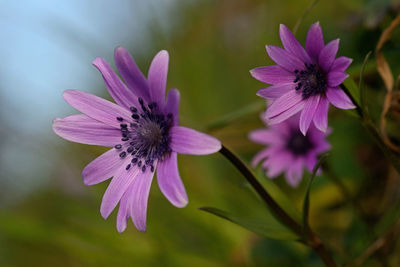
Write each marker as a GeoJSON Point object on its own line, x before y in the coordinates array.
{"type": "Point", "coordinates": [142, 129]}
{"type": "Point", "coordinates": [305, 80]}
{"type": "Point", "coordinates": [288, 150]}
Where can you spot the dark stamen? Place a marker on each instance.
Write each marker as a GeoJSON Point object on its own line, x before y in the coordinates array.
{"type": "Point", "coordinates": [311, 81]}
{"type": "Point", "coordinates": [147, 135]}
{"type": "Point", "coordinates": [299, 144]}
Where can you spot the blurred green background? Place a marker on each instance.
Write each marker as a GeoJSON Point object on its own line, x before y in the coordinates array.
{"type": "Point", "coordinates": [49, 218]}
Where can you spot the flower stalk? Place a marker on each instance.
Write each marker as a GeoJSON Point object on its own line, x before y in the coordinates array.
{"type": "Point", "coordinates": [371, 128]}
{"type": "Point", "coordinates": [309, 238]}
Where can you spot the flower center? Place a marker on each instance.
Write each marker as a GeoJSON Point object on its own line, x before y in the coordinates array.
{"type": "Point", "coordinates": [299, 144]}
{"type": "Point", "coordinates": [310, 81]}
{"type": "Point", "coordinates": [146, 137]}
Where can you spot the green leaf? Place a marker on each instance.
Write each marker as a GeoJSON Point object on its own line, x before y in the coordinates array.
{"type": "Point", "coordinates": [306, 203]}
{"type": "Point", "coordinates": [363, 105]}
{"type": "Point", "coordinates": [266, 226]}
{"type": "Point", "coordinates": [353, 89]}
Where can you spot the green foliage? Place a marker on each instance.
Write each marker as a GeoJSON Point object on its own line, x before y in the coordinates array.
{"type": "Point", "coordinates": [267, 226]}
{"type": "Point", "coordinates": [306, 202]}
{"type": "Point", "coordinates": [213, 45]}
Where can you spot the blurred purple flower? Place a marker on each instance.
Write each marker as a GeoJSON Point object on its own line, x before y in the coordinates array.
{"type": "Point", "coordinates": [143, 130]}
{"type": "Point", "coordinates": [305, 80]}
{"type": "Point", "coordinates": [288, 149]}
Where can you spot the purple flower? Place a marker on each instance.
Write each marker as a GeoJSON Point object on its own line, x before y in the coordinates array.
{"type": "Point", "coordinates": [305, 80]}
{"type": "Point", "coordinates": [288, 150]}
{"type": "Point", "coordinates": [142, 129]}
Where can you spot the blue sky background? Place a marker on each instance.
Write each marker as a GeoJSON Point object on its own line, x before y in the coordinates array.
{"type": "Point", "coordinates": [46, 48]}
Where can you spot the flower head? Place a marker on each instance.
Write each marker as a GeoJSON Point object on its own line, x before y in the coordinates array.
{"type": "Point", "coordinates": [142, 129]}
{"type": "Point", "coordinates": [305, 80]}
{"type": "Point", "coordinates": [288, 150]}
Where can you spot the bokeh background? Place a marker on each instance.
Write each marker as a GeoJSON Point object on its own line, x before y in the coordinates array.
{"type": "Point", "coordinates": [48, 217]}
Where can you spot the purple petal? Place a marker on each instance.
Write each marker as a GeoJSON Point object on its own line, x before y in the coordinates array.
{"type": "Point", "coordinates": [284, 59]}
{"type": "Point", "coordinates": [328, 54]}
{"type": "Point", "coordinates": [283, 103]}
{"type": "Point", "coordinates": [124, 209]}
{"type": "Point", "coordinates": [287, 114]}
{"type": "Point", "coordinates": [274, 74]}
{"type": "Point", "coordinates": [265, 137]}
{"type": "Point", "coordinates": [170, 182]}
{"type": "Point", "coordinates": [321, 115]}
{"type": "Point", "coordinates": [141, 189]}
{"type": "Point", "coordinates": [83, 129]}
{"type": "Point", "coordinates": [308, 112]}
{"type": "Point", "coordinates": [275, 91]}
{"type": "Point", "coordinates": [119, 184]}
{"type": "Point", "coordinates": [96, 107]}
{"type": "Point", "coordinates": [341, 64]}
{"type": "Point", "coordinates": [291, 44]}
{"type": "Point", "coordinates": [278, 163]}
{"type": "Point", "coordinates": [338, 98]}
{"type": "Point", "coordinates": [322, 146]}
{"type": "Point", "coordinates": [188, 141]}
{"type": "Point", "coordinates": [295, 173]}
{"type": "Point", "coordinates": [311, 161]}
{"type": "Point", "coordinates": [132, 75]}
{"type": "Point", "coordinates": [102, 168]}
{"type": "Point", "coordinates": [172, 105]}
{"type": "Point", "coordinates": [158, 77]}
{"type": "Point", "coordinates": [335, 78]}
{"type": "Point", "coordinates": [117, 89]}
{"type": "Point", "coordinates": [260, 156]}
{"type": "Point", "coordinates": [282, 130]}
{"type": "Point", "coordinates": [314, 41]}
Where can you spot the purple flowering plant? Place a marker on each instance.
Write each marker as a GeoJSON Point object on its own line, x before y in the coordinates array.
{"type": "Point", "coordinates": [142, 131]}
{"type": "Point", "coordinates": [304, 81]}
{"type": "Point", "coordinates": [288, 150]}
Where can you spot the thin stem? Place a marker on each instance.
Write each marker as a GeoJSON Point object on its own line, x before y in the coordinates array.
{"type": "Point", "coordinates": [358, 108]}
{"type": "Point", "coordinates": [378, 244]}
{"type": "Point", "coordinates": [276, 209]}
{"type": "Point", "coordinates": [300, 20]}
{"type": "Point", "coordinates": [368, 124]}
{"type": "Point", "coordinates": [311, 239]}
{"type": "Point", "coordinates": [342, 187]}
{"type": "Point", "coordinates": [225, 120]}
{"type": "Point", "coordinates": [336, 180]}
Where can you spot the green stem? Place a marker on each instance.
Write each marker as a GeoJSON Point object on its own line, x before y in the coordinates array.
{"type": "Point", "coordinates": [225, 120]}
{"type": "Point", "coordinates": [336, 180]}
{"type": "Point", "coordinates": [311, 239]}
{"type": "Point", "coordinates": [342, 187]}
{"type": "Point", "coordinates": [358, 108]}
{"type": "Point", "coordinates": [367, 123]}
